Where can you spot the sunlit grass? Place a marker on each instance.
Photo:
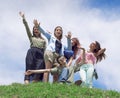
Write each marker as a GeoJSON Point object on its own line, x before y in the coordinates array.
{"type": "Point", "coordinates": [47, 90]}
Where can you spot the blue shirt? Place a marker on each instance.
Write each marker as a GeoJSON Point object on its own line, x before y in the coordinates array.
{"type": "Point", "coordinates": [51, 42]}
{"type": "Point", "coordinates": [68, 54]}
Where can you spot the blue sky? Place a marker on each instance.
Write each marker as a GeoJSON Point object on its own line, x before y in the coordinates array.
{"type": "Point", "coordinates": [89, 20]}
{"type": "Point", "coordinates": [109, 4]}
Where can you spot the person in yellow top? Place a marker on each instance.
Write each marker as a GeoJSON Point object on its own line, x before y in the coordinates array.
{"type": "Point", "coordinates": [35, 55]}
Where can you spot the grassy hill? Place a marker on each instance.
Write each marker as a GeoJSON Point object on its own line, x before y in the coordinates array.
{"type": "Point", "coordinates": [47, 90]}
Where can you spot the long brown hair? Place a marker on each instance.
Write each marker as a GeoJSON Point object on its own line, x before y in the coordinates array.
{"type": "Point", "coordinates": [61, 31]}
{"type": "Point", "coordinates": [38, 35]}
{"type": "Point", "coordinates": [96, 50]}
{"type": "Point", "coordinates": [76, 47]}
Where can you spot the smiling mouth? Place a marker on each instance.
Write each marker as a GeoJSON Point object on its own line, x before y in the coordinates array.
{"type": "Point", "coordinates": [36, 32]}
{"type": "Point", "coordinates": [58, 33]}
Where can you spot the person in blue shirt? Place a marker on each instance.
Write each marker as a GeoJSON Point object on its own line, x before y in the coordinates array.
{"type": "Point", "coordinates": [54, 48]}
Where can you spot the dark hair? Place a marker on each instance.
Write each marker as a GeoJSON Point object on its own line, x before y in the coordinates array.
{"type": "Point", "coordinates": [102, 55]}
{"type": "Point", "coordinates": [59, 58]}
{"type": "Point", "coordinates": [76, 47]}
{"type": "Point", "coordinates": [34, 33]}
{"type": "Point", "coordinates": [61, 30]}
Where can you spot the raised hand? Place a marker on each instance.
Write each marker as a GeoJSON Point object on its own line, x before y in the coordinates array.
{"type": "Point", "coordinates": [69, 35]}
{"type": "Point", "coordinates": [101, 51]}
{"type": "Point", "coordinates": [22, 14]}
{"type": "Point", "coordinates": [35, 22]}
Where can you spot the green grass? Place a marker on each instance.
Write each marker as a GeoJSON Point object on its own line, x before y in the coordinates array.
{"type": "Point", "coordinates": [47, 90]}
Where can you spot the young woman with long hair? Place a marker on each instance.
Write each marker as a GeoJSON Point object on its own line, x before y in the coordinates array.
{"type": "Point", "coordinates": [35, 55]}
{"type": "Point", "coordinates": [94, 55]}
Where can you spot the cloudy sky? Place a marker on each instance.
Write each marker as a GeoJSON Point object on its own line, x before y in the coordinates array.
{"type": "Point", "coordinates": [88, 20]}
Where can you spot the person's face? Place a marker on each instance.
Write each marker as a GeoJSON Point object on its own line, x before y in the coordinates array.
{"type": "Point", "coordinates": [73, 42]}
{"type": "Point", "coordinates": [62, 60]}
{"type": "Point", "coordinates": [93, 46]}
{"type": "Point", "coordinates": [36, 31]}
{"type": "Point", "coordinates": [58, 32]}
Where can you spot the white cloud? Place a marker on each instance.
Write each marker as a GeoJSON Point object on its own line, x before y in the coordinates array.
{"type": "Point", "coordinates": [86, 24]}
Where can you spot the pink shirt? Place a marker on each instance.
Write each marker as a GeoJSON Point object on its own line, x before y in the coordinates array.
{"type": "Point", "coordinates": [89, 58]}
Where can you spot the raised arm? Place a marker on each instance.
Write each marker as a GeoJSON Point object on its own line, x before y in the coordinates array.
{"type": "Point", "coordinates": [82, 61]}
{"type": "Point", "coordinates": [46, 34]}
{"type": "Point", "coordinates": [29, 72]}
{"type": "Point", "coordinates": [69, 47]}
{"type": "Point", "coordinates": [69, 44]}
{"type": "Point", "coordinates": [100, 51]}
{"type": "Point", "coordinates": [26, 26]}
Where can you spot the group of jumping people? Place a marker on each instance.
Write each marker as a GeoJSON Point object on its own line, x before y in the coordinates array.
{"type": "Point", "coordinates": [49, 54]}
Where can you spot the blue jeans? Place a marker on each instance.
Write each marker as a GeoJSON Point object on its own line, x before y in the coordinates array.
{"type": "Point", "coordinates": [64, 75]}
{"type": "Point", "coordinates": [86, 74]}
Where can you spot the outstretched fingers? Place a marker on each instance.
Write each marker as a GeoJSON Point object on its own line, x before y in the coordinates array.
{"type": "Point", "coordinates": [69, 35]}
{"type": "Point", "coordinates": [22, 14]}
{"type": "Point", "coordinates": [35, 22]}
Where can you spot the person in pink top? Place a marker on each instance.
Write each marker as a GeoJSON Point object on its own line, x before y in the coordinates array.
{"type": "Point", "coordinates": [93, 56]}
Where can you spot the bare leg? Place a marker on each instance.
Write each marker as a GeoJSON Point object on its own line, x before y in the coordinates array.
{"type": "Point", "coordinates": [26, 82]}
{"type": "Point", "coordinates": [46, 75]}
